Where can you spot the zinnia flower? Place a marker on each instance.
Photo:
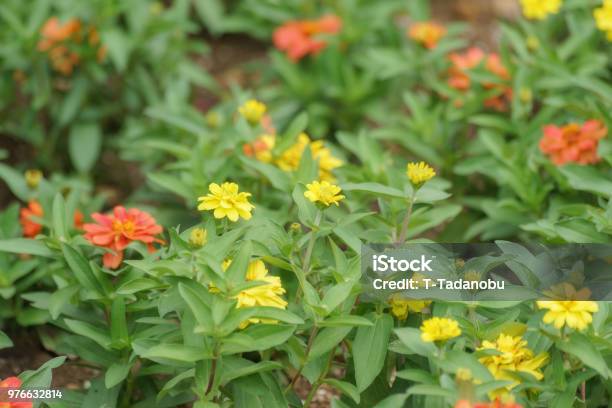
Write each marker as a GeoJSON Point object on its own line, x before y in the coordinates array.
{"type": "Point", "coordinates": [495, 404]}
{"type": "Point", "coordinates": [323, 192]}
{"type": "Point", "coordinates": [427, 33]}
{"type": "Point", "coordinates": [470, 59]}
{"type": "Point", "coordinates": [572, 143]}
{"type": "Point", "coordinates": [252, 110]}
{"type": "Point", "coordinates": [603, 18]}
{"type": "Point", "coordinates": [30, 227]}
{"type": "Point", "coordinates": [419, 173]}
{"type": "Point", "coordinates": [55, 40]}
{"type": "Point", "coordinates": [226, 201]}
{"type": "Point", "coordinates": [576, 314]}
{"type": "Point", "coordinates": [117, 230]}
{"type": "Point", "coordinates": [400, 306]}
{"type": "Point", "coordinates": [268, 294]}
{"type": "Point", "coordinates": [299, 38]}
{"type": "Point", "coordinates": [13, 383]}
{"type": "Point", "coordinates": [439, 329]}
{"type": "Point", "coordinates": [260, 148]}
{"type": "Point", "coordinates": [290, 159]}
{"type": "Point", "coordinates": [540, 9]}
{"type": "Point", "coordinates": [514, 356]}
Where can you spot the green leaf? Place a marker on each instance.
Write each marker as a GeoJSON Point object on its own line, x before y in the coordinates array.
{"type": "Point", "coordinates": [177, 352]}
{"type": "Point", "coordinates": [172, 184]}
{"type": "Point", "coordinates": [411, 338]}
{"type": "Point", "coordinates": [587, 178]}
{"type": "Point", "coordinates": [581, 347]}
{"type": "Point", "coordinates": [119, 46]}
{"type": "Point", "coordinates": [336, 295]}
{"type": "Point", "coordinates": [260, 367]}
{"type": "Point", "coordinates": [60, 298]}
{"type": "Point", "coordinates": [41, 378]}
{"type": "Point", "coordinates": [326, 340]}
{"type": "Point", "coordinates": [276, 176]}
{"type": "Point", "coordinates": [5, 340]}
{"type": "Point", "coordinates": [375, 189]}
{"type": "Point", "coordinates": [84, 145]}
{"type": "Point", "coordinates": [82, 272]}
{"type": "Point", "coordinates": [74, 100]}
{"type": "Point", "coordinates": [119, 330]}
{"type": "Point", "coordinates": [26, 246]}
{"type": "Point", "coordinates": [370, 350]}
{"type": "Point", "coordinates": [60, 228]}
{"type": "Point", "coordinates": [346, 388]}
{"type": "Point", "coordinates": [116, 373]}
{"type": "Point", "coordinates": [90, 331]}
{"type": "Point", "coordinates": [198, 306]}
{"type": "Point", "coordinates": [240, 263]}
{"type": "Point", "coordinates": [346, 320]}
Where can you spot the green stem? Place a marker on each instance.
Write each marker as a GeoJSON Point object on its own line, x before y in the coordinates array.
{"type": "Point", "coordinates": [319, 380]}
{"type": "Point", "coordinates": [311, 338]}
{"type": "Point", "coordinates": [308, 254]}
{"type": "Point", "coordinates": [404, 231]}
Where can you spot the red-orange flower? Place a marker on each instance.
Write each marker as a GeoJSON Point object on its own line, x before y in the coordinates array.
{"type": "Point", "coordinates": [572, 143]}
{"type": "Point", "coordinates": [427, 33]}
{"type": "Point", "coordinates": [13, 383]}
{"type": "Point", "coordinates": [495, 404]}
{"type": "Point", "coordinates": [78, 218]}
{"type": "Point", "coordinates": [470, 59]}
{"type": "Point", "coordinates": [118, 230]}
{"type": "Point", "coordinates": [30, 227]}
{"type": "Point", "coordinates": [59, 41]}
{"type": "Point", "coordinates": [299, 38]}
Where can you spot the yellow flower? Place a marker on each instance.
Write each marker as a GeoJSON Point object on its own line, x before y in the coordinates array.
{"type": "Point", "coordinates": [419, 173]}
{"type": "Point", "coordinates": [260, 148]}
{"type": "Point", "coordinates": [324, 193]}
{"type": "Point", "coordinates": [198, 237]}
{"type": "Point", "coordinates": [226, 201]}
{"type": "Point", "coordinates": [400, 306]}
{"type": "Point", "coordinates": [576, 314]}
{"type": "Point", "coordinates": [540, 9]}
{"type": "Point", "coordinates": [603, 18]}
{"type": "Point", "coordinates": [252, 110]}
{"type": "Point", "coordinates": [33, 177]}
{"type": "Point", "coordinates": [289, 160]}
{"type": "Point", "coordinates": [439, 329]}
{"type": "Point", "coordinates": [514, 356]}
{"type": "Point", "coordinates": [268, 294]}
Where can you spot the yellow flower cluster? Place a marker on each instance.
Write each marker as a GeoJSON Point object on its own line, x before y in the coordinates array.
{"type": "Point", "coordinates": [603, 18]}
{"type": "Point", "coordinates": [540, 9]}
{"type": "Point", "coordinates": [263, 295]}
{"type": "Point", "coordinates": [419, 173]}
{"type": "Point", "coordinates": [514, 356]}
{"type": "Point", "coordinates": [439, 329]}
{"type": "Point", "coordinates": [576, 314]}
{"type": "Point", "coordinates": [226, 201]}
{"type": "Point", "coordinates": [252, 110]}
{"type": "Point", "coordinates": [400, 307]}
{"type": "Point", "coordinates": [289, 160]}
{"type": "Point", "coordinates": [324, 193]}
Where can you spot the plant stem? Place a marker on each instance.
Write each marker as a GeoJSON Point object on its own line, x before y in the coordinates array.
{"type": "Point", "coordinates": [319, 381]}
{"type": "Point", "coordinates": [404, 231]}
{"type": "Point", "coordinates": [308, 254]}
{"type": "Point", "coordinates": [311, 338]}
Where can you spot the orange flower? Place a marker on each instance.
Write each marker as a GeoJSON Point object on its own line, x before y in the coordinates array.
{"type": "Point", "coordinates": [470, 59]}
{"type": "Point", "coordinates": [13, 383]}
{"type": "Point", "coordinates": [495, 404]}
{"type": "Point", "coordinates": [427, 33]}
{"type": "Point", "coordinates": [298, 38]}
{"type": "Point", "coordinates": [57, 40]}
{"type": "Point", "coordinates": [31, 228]}
{"type": "Point", "coordinates": [78, 219]}
{"type": "Point", "coordinates": [118, 230]}
{"type": "Point", "coordinates": [572, 143]}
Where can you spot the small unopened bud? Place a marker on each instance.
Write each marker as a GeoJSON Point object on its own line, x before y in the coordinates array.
{"type": "Point", "coordinates": [33, 177]}
{"type": "Point", "coordinates": [198, 237]}
{"type": "Point", "coordinates": [213, 119]}
{"type": "Point", "coordinates": [533, 43]}
{"type": "Point", "coordinates": [296, 226]}
{"type": "Point", "coordinates": [525, 95]}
